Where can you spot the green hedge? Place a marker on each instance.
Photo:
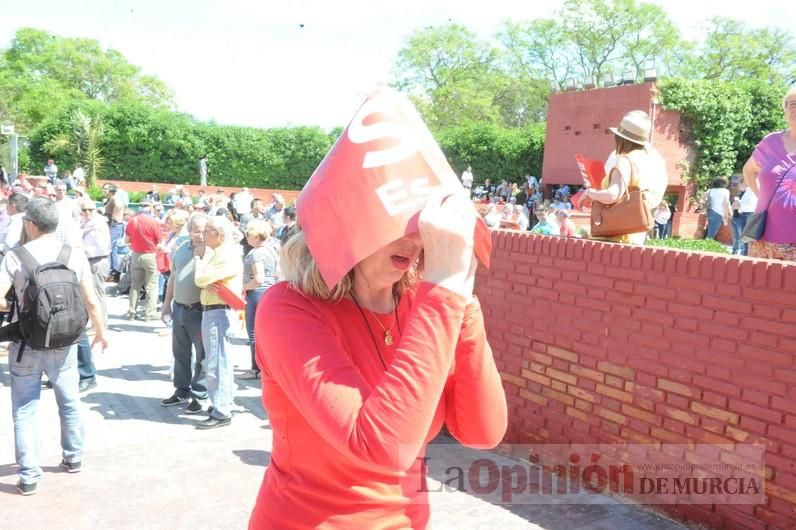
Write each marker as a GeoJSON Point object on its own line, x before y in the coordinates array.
{"type": "Point", "coordinates": [494, 152]}
{"type": "Point", "coordinates": [145, 144]}
{"type": "Point", "coordinates": [726, 119]}
{"type": "Point", "coordinates": [703, 245]}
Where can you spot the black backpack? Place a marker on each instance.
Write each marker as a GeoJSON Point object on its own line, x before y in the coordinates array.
{"type": "Point", "coordinates": [53, 313]}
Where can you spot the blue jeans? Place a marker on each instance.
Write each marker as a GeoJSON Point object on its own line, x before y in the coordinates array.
{"type": "Point", "coordinates": [738, 224]}
{"type": "Point", "coordinates": [220, 376]}
{"type": "Point", "coordinates": [85, 363]}
{"type": "Point", "coordinates": [714, 224]}
{"type": "Point", "coordinates": [660, 230]}
{"type": "Point", "coordinates": [117, 232]}
{"type": "Point", "coordinates": [252, 299]}
{"type": "Point", "coordinates": [186, 335]}
{"type": "Point", "coordinates": [61, 368]}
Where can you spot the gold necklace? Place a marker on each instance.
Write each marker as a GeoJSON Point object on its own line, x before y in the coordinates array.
{"type": "Point", "coordinates": [388, 338]}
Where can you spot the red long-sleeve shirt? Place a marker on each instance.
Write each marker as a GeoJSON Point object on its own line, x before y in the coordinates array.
{"type": "Point", "coordinates": [343, 427]}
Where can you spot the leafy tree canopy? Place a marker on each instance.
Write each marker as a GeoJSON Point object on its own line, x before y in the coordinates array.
{"type": "Point", "coordinates": [40, 73]}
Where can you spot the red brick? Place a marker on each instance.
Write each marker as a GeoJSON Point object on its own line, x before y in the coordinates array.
{"type": "Point", "coordinates": [756, 396]}
{"type": "Point", "coordinates": [770, 326]}
{"type": "Point", "coordinates": [787, 405]}
{"type": "Point", "coordinates": [766, 311]}
{"type": "Point", "coordinates": [747, 409]}
{"type": "Point", "coordinates": [611, 415]}
{"type": "Point", "coordinates": [776, 520]}
{"type": "Point", "coordinates": [587, 373]}
{"type": "Point", "coordinates": [788, 376]}
{"type": "Point", "coordinates": [714, 399]}
{"type": "Point", "coordinates": [768, 356]}
{"type": "Point", "coordinates": [715, 412]}
{"type": "Point", "coordinates": [781, 433]}
{"type": "Point", "coordinates": [677, 401]}
{"type": "Point", "coordinates": [614, 393]}
{"type": "Point", "coordinates": [678, 388]}
{"type": "Point", "coordinates": [692, 311]}
{"type": "Point", "coordinates": [765, 340]}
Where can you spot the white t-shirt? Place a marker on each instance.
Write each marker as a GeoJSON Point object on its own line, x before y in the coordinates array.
{"type": "Point", "coordinates": [662, 216]}
{"type": "Point", "coordinates": [467, 178]}
{"type": "Point", "coordinates": [748, 202]}
{"type": "Point", "coordinates": [717, 198]}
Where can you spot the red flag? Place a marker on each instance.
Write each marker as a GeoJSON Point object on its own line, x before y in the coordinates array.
{"type": "Point", "coordinates": [592, 170]}
{"type": "Point", "coordinates": [370, 188]}
{"type": "Point", "coordinates": [231, 298]}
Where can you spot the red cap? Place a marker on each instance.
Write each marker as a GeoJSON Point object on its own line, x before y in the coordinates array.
{"type": "Point", "coordinates": [370, 188]}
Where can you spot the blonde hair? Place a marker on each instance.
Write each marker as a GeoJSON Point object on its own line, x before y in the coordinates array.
{"type": "Point", "coordinates": [300, 269]}
{"type": "Point", "coordinates": [177, 218]}
{"type": "Point", "coordinates": [260, 228]}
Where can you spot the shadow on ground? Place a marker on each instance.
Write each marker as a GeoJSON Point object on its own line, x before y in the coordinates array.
{"type": "Point", "coordinates": [114, 406]}
{"type": "Point", "coordinates": [253, 457]}
{"type": "Point", "coordinates": [252, 405]}
{"type": "Point", "coordinates": [137, 372]}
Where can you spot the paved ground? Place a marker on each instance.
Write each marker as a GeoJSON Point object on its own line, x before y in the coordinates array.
{"type": "Point", "coordinates": [146, 467]}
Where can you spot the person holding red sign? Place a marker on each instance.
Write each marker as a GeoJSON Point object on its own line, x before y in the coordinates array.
{"type": "Point", "coordinates": [373, 343]}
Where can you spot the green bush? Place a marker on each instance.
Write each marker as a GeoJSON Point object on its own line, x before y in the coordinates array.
{"type": "Point", "coordinates": [494, 152]}
{"type": "Point", "coordinates": [154, 145]}
{"type": "Point", "coordinates": [726, 120]}
{"type": "Point", "coordinates": [702, 245]}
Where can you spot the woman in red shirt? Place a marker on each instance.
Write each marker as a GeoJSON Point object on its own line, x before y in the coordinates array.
{"type": "Point", "coordinates": [357, 379]}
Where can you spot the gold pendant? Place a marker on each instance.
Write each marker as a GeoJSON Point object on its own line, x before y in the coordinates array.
{"type": "Point", "coordinates": [388, 338]}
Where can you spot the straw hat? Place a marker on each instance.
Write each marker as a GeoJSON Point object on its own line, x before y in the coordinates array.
{"type": "Point", "coordinates": [635, 126]}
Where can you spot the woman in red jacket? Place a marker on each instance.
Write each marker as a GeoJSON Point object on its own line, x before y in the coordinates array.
{"type": "Point", "coordinates": [357, 379]}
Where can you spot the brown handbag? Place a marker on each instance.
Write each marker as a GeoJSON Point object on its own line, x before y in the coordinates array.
{"type": "Point", "coordinates": [628, 215]}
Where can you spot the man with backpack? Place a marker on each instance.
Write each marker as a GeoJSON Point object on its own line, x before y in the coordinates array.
{"type": "Point", "coordinates": [54, 299]}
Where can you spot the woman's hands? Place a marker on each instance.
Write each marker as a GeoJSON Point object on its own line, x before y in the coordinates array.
{"type": "Point", "coordinates": [447, 229]}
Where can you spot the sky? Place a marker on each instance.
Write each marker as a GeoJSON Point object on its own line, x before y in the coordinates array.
{"type": "Point", "coordinates": [266, 63]}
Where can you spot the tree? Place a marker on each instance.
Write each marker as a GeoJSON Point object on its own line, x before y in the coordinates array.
{"type": "Point", "coordinates": [456, 78]}
{"type": "Point", "coordinates": [538, 49]}
{"type": "Point", "coordinates": [731, 52]}
{"type": "Point", "coordinates": [83, 141]}
{"type": "Point", "coordinates": [590, 40]}
{"type": "Point", "coordinates": [41, 73]}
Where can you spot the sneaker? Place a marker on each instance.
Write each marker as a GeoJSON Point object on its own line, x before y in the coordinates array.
{"type": "Point", "coordinates": [173, 400]}
{"type": "Point", "coordinates": [71, 467]}
{"type": "Point", "coordinates": [212, 423]}
{"type": "Point", "coordinates": [194, 407]}
{"type": "Point", "coordinates": [86, 385]}
{"type": "Point", "coordinates": [26, 489]}
{"type": "Point", "coordinates": [249, 375]}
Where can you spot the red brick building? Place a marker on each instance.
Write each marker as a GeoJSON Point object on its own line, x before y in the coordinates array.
{"type": "Point", "coordinates": [578, 122]}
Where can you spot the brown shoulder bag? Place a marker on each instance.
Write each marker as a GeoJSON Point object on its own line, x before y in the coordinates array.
{"type": "Point", "coordinates": [628, 215]}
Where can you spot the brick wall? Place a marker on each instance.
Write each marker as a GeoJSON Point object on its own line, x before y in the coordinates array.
{"type": "Point", "coordinates": [578, 122]}
{"type": "Point", "coordinates": [599, 342]}
{"type": "Point", "coordinates": [262, 193]}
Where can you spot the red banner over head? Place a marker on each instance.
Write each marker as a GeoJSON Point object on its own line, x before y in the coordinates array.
{"type": "Point", "coordinates": [370, 188]}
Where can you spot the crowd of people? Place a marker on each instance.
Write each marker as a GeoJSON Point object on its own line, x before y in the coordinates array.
{"type": "Point", "coordinates": [173, 252]}
{"type": "Point", "coordinates": [371, 349]}
{"type": "Point", "coordinates": [764, 189]}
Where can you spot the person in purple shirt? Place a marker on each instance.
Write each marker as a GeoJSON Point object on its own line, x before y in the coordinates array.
{"type": "Point", "coordinates": [771, 174]}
